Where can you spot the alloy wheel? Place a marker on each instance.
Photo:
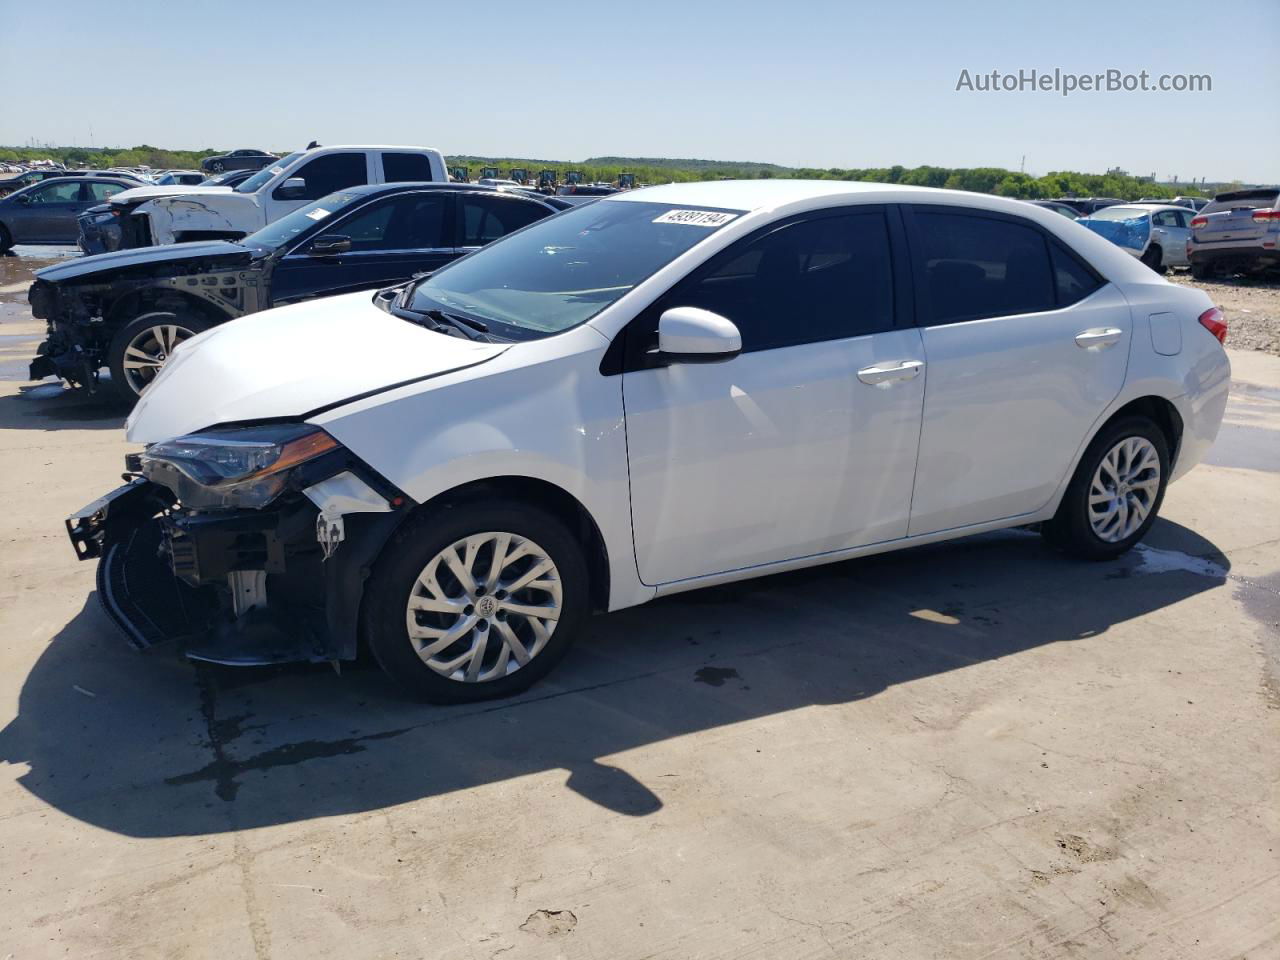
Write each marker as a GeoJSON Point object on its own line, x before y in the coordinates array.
{"type": "Point", "coordinates": [484, 606]}
{"type": "Point", "coordinates": [1124, 489]}
{"type": "Point", "coordinates": [149, 350]}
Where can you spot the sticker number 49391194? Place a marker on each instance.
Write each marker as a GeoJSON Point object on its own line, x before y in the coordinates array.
{"type": "Point", "coordinates": [696, 218]}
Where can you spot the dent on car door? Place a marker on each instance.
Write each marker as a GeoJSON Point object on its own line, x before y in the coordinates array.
{"type": "Point", "coordinates": [390, 240]}
{"type": "Point", "coordinates": [1026, 347]}
{"type": "Point", "coordinates": [804, 443]}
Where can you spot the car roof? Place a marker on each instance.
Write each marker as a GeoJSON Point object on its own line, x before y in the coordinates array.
{"type": "Point", "coordinates": [777, 194]}
{"type": "Point", "coordinates": [373, 189]}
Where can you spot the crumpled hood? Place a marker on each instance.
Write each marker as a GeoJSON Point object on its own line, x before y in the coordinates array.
{"type": "Point", "coordinates": [201, 251]}
{"type": "Point", "coordinates": [140, 194]}
{"type": "Point", "coordinates": [291, 361]}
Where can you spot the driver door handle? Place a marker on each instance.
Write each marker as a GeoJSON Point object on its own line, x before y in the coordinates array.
{"type": "Point", "coordinates": [1099, 338]}
{"type": "Point", "coordinates": [891, 372]}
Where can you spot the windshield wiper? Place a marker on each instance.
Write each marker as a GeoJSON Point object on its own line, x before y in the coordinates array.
{"type": "Point", "coordinates": [443, 322]}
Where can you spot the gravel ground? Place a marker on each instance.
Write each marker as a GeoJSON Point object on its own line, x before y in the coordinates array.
{"type": "Point", "coordinates": [1252, 308]}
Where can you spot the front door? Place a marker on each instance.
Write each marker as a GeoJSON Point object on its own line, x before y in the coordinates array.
{"type": "Point", "coordinates": [806, 442]}
{"type": "Point", "coordinates": [48, 215]}
{"type": "Point", "coordinates": [391, 240]}
{"type": "Point", "coordinates": [1026, 347]}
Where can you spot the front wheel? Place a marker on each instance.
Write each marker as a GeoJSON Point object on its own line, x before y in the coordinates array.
{"type": "Point", "coordinates": [142, 347]}
{"type": "Point", "coordinates": [476, 600]}
{"type": "Point", "coordinates": [6, 241]}
{"type": "Point", "coordinates": [217, 166]}
{"type": "Point", "coordinates": [1115, 493]}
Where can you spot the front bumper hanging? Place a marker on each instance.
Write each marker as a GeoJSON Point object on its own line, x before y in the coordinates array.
{"type": "Point", "coordinates": [168, 574]}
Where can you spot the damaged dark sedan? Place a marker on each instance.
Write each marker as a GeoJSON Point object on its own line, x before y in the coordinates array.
{"type": "Point", "coordinates": [126, 311]}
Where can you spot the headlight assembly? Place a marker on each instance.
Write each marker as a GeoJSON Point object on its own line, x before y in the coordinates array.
{"type": "Point", "coordinates": [241, 467]}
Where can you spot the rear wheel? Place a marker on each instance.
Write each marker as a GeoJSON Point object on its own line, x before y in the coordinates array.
{"type": "Point", "coordinates": [141, 348]}
{"type": "Point", "coordinates": [1200, 271]}
{"type": "Point", "coordinates": [476, 600]}
{"type": "Point", "coordinates": [1115, 493]}
{"type": "Point", "coordinates": [1154, 258]}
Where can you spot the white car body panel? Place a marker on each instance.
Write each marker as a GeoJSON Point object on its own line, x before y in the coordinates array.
{"type": "Point", "coordinates": [280, 363]}
{"type": "Point", "coordinates": [983, 458]}
{"type": "Point", "coordinates": [176, 210]}
{"type": "Point", "coordinates": [543, 409]}
{"type": "Point", "coordinates": [710, 444]}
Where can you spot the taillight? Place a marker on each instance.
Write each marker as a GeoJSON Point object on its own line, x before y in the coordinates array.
{"type": "Point", "coordinates": [1214, 321]}
{"type": "Point", "coordinates": [1198, 222]}
{"type": "Point", "coordinates": [1265, 216]}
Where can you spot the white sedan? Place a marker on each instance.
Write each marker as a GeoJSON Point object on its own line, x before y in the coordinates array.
{"type": "Point", "coordinates": [670, 388]}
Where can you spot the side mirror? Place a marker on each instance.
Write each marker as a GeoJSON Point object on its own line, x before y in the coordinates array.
{"type": "Point", "coordinates": [694, 335]}
{"type": "Point", "coordinates": [329, 245]}
{"type": "Point", "coordinates": [23, 198]}
{"type": "Point", "coordinates": [295, 188]}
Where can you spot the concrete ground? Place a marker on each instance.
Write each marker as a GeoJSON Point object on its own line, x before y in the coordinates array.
{"type": "Point", "coordinates": [978, 749]}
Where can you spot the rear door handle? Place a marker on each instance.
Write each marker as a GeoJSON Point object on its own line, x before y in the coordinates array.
{"type": "Point", "coordinates": [890, 372]}
{"type": "Point", "coordinates": [1099, 338]}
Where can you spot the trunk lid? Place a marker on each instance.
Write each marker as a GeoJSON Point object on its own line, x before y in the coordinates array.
{"type": "Point", "coordinates": [1230, 216]}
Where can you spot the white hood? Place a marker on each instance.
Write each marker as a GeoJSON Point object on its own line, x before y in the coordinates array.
{"type": "Point", "coordinates": [291, 361]}
{"type": "Point", "coordinates": [138, 194]}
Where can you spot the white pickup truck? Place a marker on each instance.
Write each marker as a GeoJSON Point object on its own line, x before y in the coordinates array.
{"type": "Point", "coordinates": [157, 215]}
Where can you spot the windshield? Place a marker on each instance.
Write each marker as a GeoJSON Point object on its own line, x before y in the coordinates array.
{"type": "Point", "coordinates": [562, 271]}
{"type": "Point", "coordinates": [304, 218]}
{"type": "Point", "coordinates": [266, 173]}
{"type": "Point", "coordinates": [1118, 213]}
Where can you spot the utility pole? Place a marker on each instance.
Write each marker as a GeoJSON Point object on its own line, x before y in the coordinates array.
{"type": "Point", "coordinates": [1022, 167]}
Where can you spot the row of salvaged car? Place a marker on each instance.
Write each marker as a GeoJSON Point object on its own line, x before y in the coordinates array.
{"type": "Point", "coordinates": [330, 220]}
{"type": "Point", "coordinates": [1235, 232]}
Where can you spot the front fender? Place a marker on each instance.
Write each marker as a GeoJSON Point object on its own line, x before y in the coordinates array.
{"type": "Point", "coordinates": [557, 420]}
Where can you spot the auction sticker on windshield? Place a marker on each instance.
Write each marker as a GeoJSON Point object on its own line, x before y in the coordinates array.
{"type": "Point", "coordinates": [319, 213]}
{"type": "Point", "coordinates": [696, 218]}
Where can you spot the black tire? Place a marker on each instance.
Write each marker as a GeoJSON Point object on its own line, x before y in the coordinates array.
{"type": "Point", "coordinates": [1153, 257]}
{"type": "Point", "coordinates": [217, 166]}
{"type": "Point", "coordinates": [1200, 271]}
{"type": "Point", "coordinates": [6, 241]}
{"type": "Point", "coordinates": [190, 323]}
{"type": "Point", "coordinates": [407, 555]}
{"type": "Point", "coordinates": [1071, 529]}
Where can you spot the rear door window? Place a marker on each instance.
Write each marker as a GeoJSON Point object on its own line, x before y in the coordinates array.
{"type": "Point", "coordinates": [486, 218]}
{"type": "Point", "coordinates": [102, 191]}
{"type": "Point", "coordinates": [975, 267]}
{"type": "Point", "coordinates": [1073, 281]}
{"type": "Point", "coordinates": [329, 174]}
{"type": "Point", "coordinates": [405, 167]}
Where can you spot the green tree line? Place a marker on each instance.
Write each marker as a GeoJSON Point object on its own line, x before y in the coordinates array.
{"type": "Point", "coordinates": [1007, 183]}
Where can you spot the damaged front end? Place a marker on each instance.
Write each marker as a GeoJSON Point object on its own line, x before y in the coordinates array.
{"type": "Point", "coordinates": [244, 545]}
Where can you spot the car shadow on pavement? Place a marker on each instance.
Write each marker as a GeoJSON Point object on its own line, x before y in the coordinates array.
{"type": "Point", "coordinates": [51, 406]}
{"type": "Point", "coordinates": [151, 745]}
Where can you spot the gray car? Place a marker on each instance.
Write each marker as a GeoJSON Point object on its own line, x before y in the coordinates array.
{"type": "Point", "coordinates": [1238, 231]}
{"type": "Point", "coordinates": [46, 212]}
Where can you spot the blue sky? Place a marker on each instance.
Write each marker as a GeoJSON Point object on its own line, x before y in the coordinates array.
{"type": "Point", "coordinates": [848, 84]}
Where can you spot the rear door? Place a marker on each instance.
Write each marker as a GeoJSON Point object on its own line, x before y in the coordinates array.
{"type": "Point", "coordinates": [391, 240]}
{"type": "Point", "coordinates": [1025, 346]}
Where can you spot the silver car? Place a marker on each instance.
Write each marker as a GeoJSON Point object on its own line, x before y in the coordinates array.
{"type": "Point", "coordinates": [1155, 233]}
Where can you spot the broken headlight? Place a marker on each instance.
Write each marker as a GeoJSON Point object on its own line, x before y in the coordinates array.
{"type": "Point", "coordinates": [241, 467]}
